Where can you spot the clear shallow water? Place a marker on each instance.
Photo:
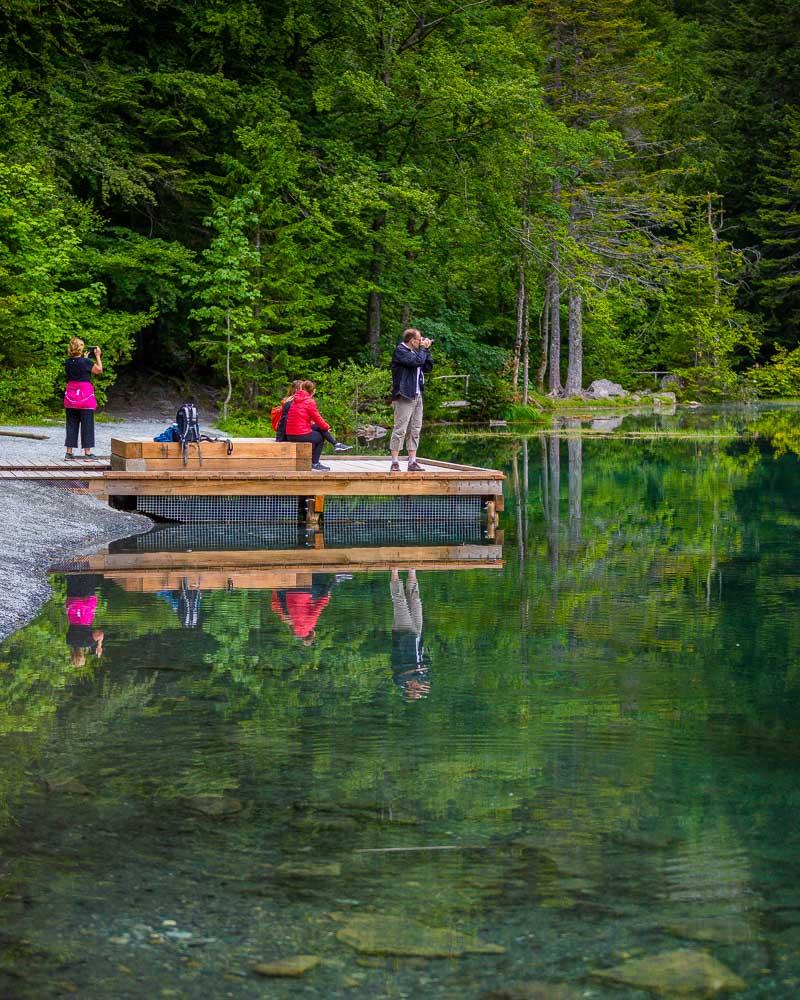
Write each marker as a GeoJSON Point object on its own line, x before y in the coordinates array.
{"type": "Point", "coordinates": [605, 741]}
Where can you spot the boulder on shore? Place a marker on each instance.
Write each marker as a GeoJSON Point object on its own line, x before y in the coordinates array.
{"type": "Point", "coordinates": [603, 388]}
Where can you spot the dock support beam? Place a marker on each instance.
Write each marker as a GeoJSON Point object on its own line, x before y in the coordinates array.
{"type": "Point", "coordinates": [315, 508]}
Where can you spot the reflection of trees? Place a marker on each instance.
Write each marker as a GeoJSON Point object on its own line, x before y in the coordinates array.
{"type": "Point", "coordinates": [575, 458]}
{"type": "Point", "coordinates": [551, 490]}
{"type": "Point", "coordinates": [534, 721]}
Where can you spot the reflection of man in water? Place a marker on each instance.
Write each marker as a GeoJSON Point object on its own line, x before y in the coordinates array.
{"type": "Point", "coordinates": [409, 666]}
{"type": "Point", "coordinates": [300, 607]}
{"type": "Point", "coordinates": [81, 606]}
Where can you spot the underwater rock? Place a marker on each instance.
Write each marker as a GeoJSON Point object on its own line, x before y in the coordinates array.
{"type": "Point", "coordinates": [296, 965]}
{"type": "Point", "coordinates": [373, 934]}
{"type": "Point", "coordinates": [535, 990]}
{"type": "Point", "coordinates": [723, 930]}
{"type": "Point", "coordinates": [214, 805]}
{"type": "Point", "coordinates": [681, 973]}
{"type": "Point", "coordinates": [326, 821]}
{"type": "Point", "coordinates": [642, 840]}
{"type": "Point", "coordinates": [292, 869]}
{"type": "Point", "coordinates": [67, 786]}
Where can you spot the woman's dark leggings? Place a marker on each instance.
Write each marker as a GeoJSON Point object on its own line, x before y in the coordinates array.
{"type": "Point", "coordinates": [83, 420]}
{"type": "Point", "coordinates": [317, 439]}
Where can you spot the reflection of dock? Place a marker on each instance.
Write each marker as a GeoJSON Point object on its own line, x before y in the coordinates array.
{"type": "Point", "coordinates": [265, 569]}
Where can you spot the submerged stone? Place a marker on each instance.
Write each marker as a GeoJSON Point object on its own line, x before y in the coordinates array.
{"type": "Point", "coordinates": [534, 990]}
{"type": "Point", "coordinates": [215, 805]}
{"type": "Point", "coordinates": [67, 786]}
{"type": "Point", "coordinates": [643, 840]}
{"type": "Point", "coordinates": [293, 869]}
{"type": "Point", "coordinates": [372, 934]}
{"type": "Point", "coordinates": [681, 973]}
{"type": "Point", "coordinates": [296, 965]}
{"type": "Point", "coordinates": [326, 821]}
{"type": "Point", "coordinates": [724, 930]}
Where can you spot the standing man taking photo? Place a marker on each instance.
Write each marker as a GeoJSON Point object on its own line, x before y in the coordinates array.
{"type": "Point", "coordinates": [411, 362]}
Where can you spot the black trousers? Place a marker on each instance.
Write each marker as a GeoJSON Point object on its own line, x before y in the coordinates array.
{"type": "Point", "coordinates": [317, 439]}
{"type": "Point", "coordinates": [83, 420]}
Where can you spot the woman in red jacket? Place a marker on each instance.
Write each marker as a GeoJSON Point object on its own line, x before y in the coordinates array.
{"type": "Point", "coordinates": [305, 423]}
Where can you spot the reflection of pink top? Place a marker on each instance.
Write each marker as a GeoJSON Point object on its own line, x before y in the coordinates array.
{"type": "Point", "coordinates": [81, 610]}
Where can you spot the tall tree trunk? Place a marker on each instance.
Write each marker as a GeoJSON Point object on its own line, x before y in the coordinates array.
{"type": "Point", "coordinates": [520, 322]}
{"type": "Point", "coordinates": [526, 348]}
{"type": "Point", "coordinates": [544, 328]}
{"type": "Point", "coordinates": [227, 365]}
{"type": "Point", "coordinates": [554, 374]}
{"type": "Point", "coordinates": [575, 363]}
{"type": "Point", "coordinates": [374, 301]}
{"type": "Point", "coordinates": [522, 292]}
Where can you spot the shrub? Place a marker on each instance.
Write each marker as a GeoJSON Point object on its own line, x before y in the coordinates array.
{"type": "Point", "coordinates": [781, 377]}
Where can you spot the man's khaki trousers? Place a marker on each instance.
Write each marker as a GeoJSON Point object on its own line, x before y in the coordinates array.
{"type": "Point", "coordinates": [407, 423]}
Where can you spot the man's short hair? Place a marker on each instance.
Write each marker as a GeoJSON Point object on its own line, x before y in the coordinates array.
{"type": "Point", "coordinates": [410, 333]}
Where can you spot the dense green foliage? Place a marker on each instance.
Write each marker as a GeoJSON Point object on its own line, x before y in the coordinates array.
{"type": "Point", "coordinates": [254, 192]}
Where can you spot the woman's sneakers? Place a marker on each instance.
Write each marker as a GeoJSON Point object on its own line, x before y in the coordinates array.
{"type": "Point", "coordinates": [69, 457]}
{"type": "Point", "coordinates": [341, 446]}
{"type": "Point", "coordinates": [319, 467]}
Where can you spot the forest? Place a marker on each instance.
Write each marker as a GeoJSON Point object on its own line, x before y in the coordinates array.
{"type": "Point", "coordinates": [554, 190]}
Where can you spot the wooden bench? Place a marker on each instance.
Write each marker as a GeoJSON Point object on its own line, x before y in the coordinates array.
{"type": "Point", "coordinates": [248, 455]}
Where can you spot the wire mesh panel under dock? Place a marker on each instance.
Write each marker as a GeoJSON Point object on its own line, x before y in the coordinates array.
{"type": "Point", "coordinates": [211, 509]}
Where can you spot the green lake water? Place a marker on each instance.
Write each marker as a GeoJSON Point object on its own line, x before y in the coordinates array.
{"type": "Point", "coordinates": [588, 756]}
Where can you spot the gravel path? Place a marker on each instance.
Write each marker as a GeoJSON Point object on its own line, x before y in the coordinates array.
{"type": "Point", "coordinates": [43, 524]}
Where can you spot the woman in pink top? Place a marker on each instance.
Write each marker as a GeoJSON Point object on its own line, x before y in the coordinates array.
{"type": "Point", "coordinates": [304, 422]}
{"type": "Point", "coordinates": [79, 399]}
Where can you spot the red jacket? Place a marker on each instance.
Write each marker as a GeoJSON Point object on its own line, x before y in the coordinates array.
{"type": "Point", "coordinates": [302, 413]}
{"type": "Point", "coordinates": [302, 610]}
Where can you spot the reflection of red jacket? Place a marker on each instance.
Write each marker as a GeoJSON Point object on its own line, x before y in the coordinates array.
{"type": "Point", "coordinates": [302, 610]}
{"type": "Point", "coordinates": [303, 413]}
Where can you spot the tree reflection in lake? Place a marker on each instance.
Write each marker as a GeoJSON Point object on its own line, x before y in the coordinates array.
{"type": "Point", "coordinates": [610, 756]}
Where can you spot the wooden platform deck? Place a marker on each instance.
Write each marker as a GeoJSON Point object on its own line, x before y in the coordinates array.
{"type": "Point", "coordinates": [361, 476]}
{"type": "Point", "coordinates": [266, 569]}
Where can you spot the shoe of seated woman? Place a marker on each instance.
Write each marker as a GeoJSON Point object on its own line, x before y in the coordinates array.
{"type": "Point", "coordinates": [319, 467]}
{"type": "Point", "coordinates": [341, 446]}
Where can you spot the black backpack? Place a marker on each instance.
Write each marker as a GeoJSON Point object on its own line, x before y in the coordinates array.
{"type": "Point", "coordinates": [188, 423]}
{"type": "Point", "coordinates": [280, 431]}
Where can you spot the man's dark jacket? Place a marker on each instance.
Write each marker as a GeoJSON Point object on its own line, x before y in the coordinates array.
{"type": "Point", "coordinates": [405, 363]}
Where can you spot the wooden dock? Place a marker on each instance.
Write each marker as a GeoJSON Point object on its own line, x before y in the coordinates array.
{"type": "Point", "coordinates": [245, 475]}
{"type": "Point", "coordinates": [274, 569]}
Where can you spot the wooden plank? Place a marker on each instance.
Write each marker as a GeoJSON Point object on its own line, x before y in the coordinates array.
{"type": "Point", "coordinates": [296, 560]}
{"type": "Point", "coordinates": [234, 465]}
{"type": "Point", "coordinates": [156, 580]}
{"type": "Point", "coordinates": [242, 448]}
{"type": "Point", "coordinates": [198, 474]}
{"type": "Point", "coordinates": [299, 486]}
